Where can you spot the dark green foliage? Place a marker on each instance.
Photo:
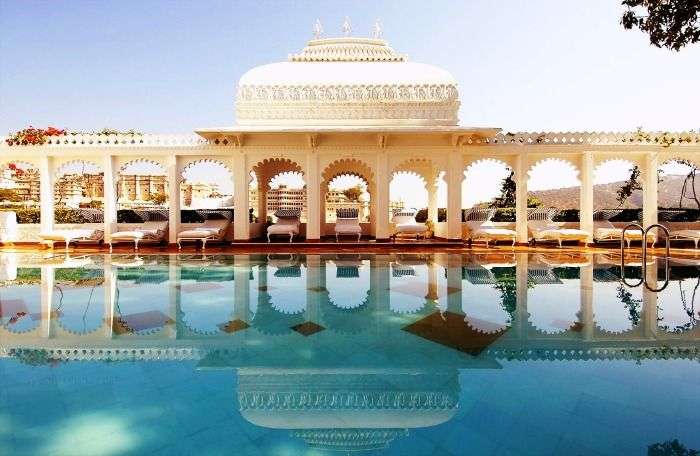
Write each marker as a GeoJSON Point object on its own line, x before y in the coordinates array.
{"type": "Point", "coordinates": [670, 24]}
{"type": "Point", "coordinates": [671, 448]}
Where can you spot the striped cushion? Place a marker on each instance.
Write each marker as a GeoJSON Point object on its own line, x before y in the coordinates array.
{"type": "Point", "coordinates": [287, 213]}
{"type": "Point", "coordinates": [347, 272]}
{"type": "Point", "coordinates": [347, 213]}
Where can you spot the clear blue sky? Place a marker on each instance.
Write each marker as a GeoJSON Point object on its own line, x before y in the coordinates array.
{"type": "Point", "coordinates": [172, 66]}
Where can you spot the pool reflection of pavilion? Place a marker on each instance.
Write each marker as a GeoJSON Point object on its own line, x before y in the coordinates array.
{"type": "Point", "coordinates": [347, 352]}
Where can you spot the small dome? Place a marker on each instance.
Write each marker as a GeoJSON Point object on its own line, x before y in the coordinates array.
{"type": "Point", "coordinates": [347, 81]}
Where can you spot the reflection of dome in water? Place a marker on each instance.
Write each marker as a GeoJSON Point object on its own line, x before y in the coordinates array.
{"type": "Point", "coordinates": [348, 439]}
{"type": "Point", "coordinates": [347, 411]}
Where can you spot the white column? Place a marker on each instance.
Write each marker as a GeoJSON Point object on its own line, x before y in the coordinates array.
{"type": "Point", "coordinates": [521, 280]}
{"type": "Point", "coordinates": [650, 189]}
{"type": "Point", "coordinates": [586, 195]}
{"type": "Point", "coordinates": [454, 283]}
{"type": "Point", "coordinates": [586, 314]}
{"type": "Point", "coordinates": [241, 201]}
{"type": "Point", "coordinates": [432, 201]}
{"type": "Point", "coordinates": [241, 288]}
{"type": "Point", "coordinates": [650, 302]}
{"type": "Point", "coordinates": [521, 197]}
{"type": "Point", "coordinates": [174, 296]}
{"type": "Point", "coordinates": [110, 197]}
{"type": "Point", "coordinates": [313, 200]}
{"type": "Point", "coordinates": [47, 282]}
{"type": "Point", "coordinates": [173, 199]}
{"type": "Point", "coordinates": [110, 296]}
{"type": "Point", "coordinates": [46, 179]}
{"type": "Point", "coordinates": [380, 281]}
{"type": "Point", "coordinates": [382, 203]}
{"type": "Point", "coordinates": [315, 269]}
{"type": "Point", "coordinates": [455, 176]}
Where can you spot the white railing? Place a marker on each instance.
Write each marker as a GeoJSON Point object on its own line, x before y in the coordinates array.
{"type": "Point", "coordinates": [120, 140]}
{"type": "Point", "coordinates": [594, 138]}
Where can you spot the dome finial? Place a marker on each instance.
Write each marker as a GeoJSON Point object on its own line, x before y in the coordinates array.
{"type": "Point", "coordinates": [377, 30]}
{"type": "Point", "coordinates": [318, 29]}
{"type": "Point", "coordinates": [347, 28]}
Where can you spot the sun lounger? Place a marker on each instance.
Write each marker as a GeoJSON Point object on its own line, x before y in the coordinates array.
{"type": "Point", "coordinates": [71, 235]}
{"type": "Point", "coordinates": [605, 231]}
{"type": "Point", "coordinates": [148, 232]}
{"type": "Point", "coordinates": [347, 223]}
{"type": "Point", "coordinates": [482, 229]}
{"type": "Point", "coordinates": [211, 230]}
{"type": "Point", "coordinates": [404, 221]}
{"type": "Point", "coordinates": [685, 235]}
{"type": "Point", "coordinates": [542, 228]}
{"type": "Point", "coordinates": [287, 224]}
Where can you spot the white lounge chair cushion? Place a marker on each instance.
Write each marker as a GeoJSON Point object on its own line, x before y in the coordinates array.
{"type": "Point", "coordinates": [283, 229]}
{"type": "Point", "coordinates": [485, 230]}
{"type": "Point", "coordinates": [686, 234]}
{"type": "Point", "coordinates": [148, 234]}
{"type": "Point", "coordinates": [63, 235]}
{"type": "Point", "coordinates": [411, 228]}
{"type": "Point", "coordinates": [492, 232]}
{"type": "Point", "coordinates": [350, 226]}
{"type": "Point", "coordinates": [212, 229]}
{"type": "Point", "coordinates": [199, 233]}
{"type": "Point", "coordinates": [566, 234]}
{"type": "Point", "coordinates": [616, 234]}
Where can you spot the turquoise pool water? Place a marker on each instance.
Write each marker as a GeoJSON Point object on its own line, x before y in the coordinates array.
{"type": "Point", "coordinates": [434, 354]}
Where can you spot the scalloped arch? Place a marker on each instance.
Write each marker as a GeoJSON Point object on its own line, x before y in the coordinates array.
{"type": "Point", "coordinates": [424, 168]}
{"type": "Point", "coordinates": [268, 168]}
{"type": "Point", "coordinates": [480, 161]}
{"type": "Point", "coordinates": [205, 161]}
{"type": "Point", "coordinates": [348, 166]}
{"type": "Point", "coordinates": [61, 170]}
{"type": "Point", "coordinates": [144, 161]}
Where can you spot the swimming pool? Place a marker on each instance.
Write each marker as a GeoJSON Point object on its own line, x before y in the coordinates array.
{"type": "Point", "coordinates": [439, 353]}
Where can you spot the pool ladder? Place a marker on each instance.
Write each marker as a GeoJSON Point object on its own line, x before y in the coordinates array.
{"type": "Point", "coordinates": [645, 232]}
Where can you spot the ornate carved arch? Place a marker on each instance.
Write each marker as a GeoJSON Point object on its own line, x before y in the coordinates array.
{"type": "Point", "coordinates": [60, 170]}
{"type": "Point", "coordinates": [347, 166]}
{"type": "Point", "coordinates": [268, 168]}
{"type": "Point", "coordinates": [206, 161]}
{"type": "Point", "coordinates": [424, 168]}
{"type": "Point", "coordinates": [556, 160]}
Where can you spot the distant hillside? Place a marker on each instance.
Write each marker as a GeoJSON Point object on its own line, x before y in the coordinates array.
{"type": "Point", "coordinates": [604, 195]}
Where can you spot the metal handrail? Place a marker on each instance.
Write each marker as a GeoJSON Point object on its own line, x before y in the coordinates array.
{"type": "Point", "coordinates": [645, 233]}
{"type": "Point", "coordinates": [666, 257]}
{"type": "Point", "coordinates": [622, 255]}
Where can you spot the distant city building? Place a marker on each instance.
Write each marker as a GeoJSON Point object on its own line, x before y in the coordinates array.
{"type": "Point", "coordinates": [284, 197]}
{"type": "Point", "coordinates": [79, 190]}
{"type": "Point", "coordinates": [203, 195]}
{"type": "Point", "coordinates": [336, 199]}
{"type": "Point", "coordinates": [141, 190]}
{"type": "Point", "coordinates": [23, 182]}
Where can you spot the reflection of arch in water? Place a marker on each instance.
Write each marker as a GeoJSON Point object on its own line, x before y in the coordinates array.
{"type": "Point", "coordinates": [408, 286]}
{"type": "Point", "coordinates": [553, 304]}
{"type": "Point", "coordinates": [347, 282]}
{"type": "Point", "coordinates": [616, 308]}
{"type": "Point", "coordinates": [83, 314]}
{"type": "Point", "coordinates": [206, 303]}
{"type": "Point", "coordinates": [141, 300]}
{"type": "Point", "coordinates": [20, 308]}
{"type": "Point", "coordinates": [348, 411]}
{"type": "Point", "coordinates": [678, 310]}
{"type": "Point", "coordinates": [269, 321]}
{"type": "Point", "coordinates": [286, 285]}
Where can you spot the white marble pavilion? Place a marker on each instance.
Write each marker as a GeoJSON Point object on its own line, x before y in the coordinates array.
{"type": "Point", "coordinates": [352, 106]}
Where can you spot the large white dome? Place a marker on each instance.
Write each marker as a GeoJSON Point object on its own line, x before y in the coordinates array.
{"type": "Point", "coordinates": [347, 81]}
